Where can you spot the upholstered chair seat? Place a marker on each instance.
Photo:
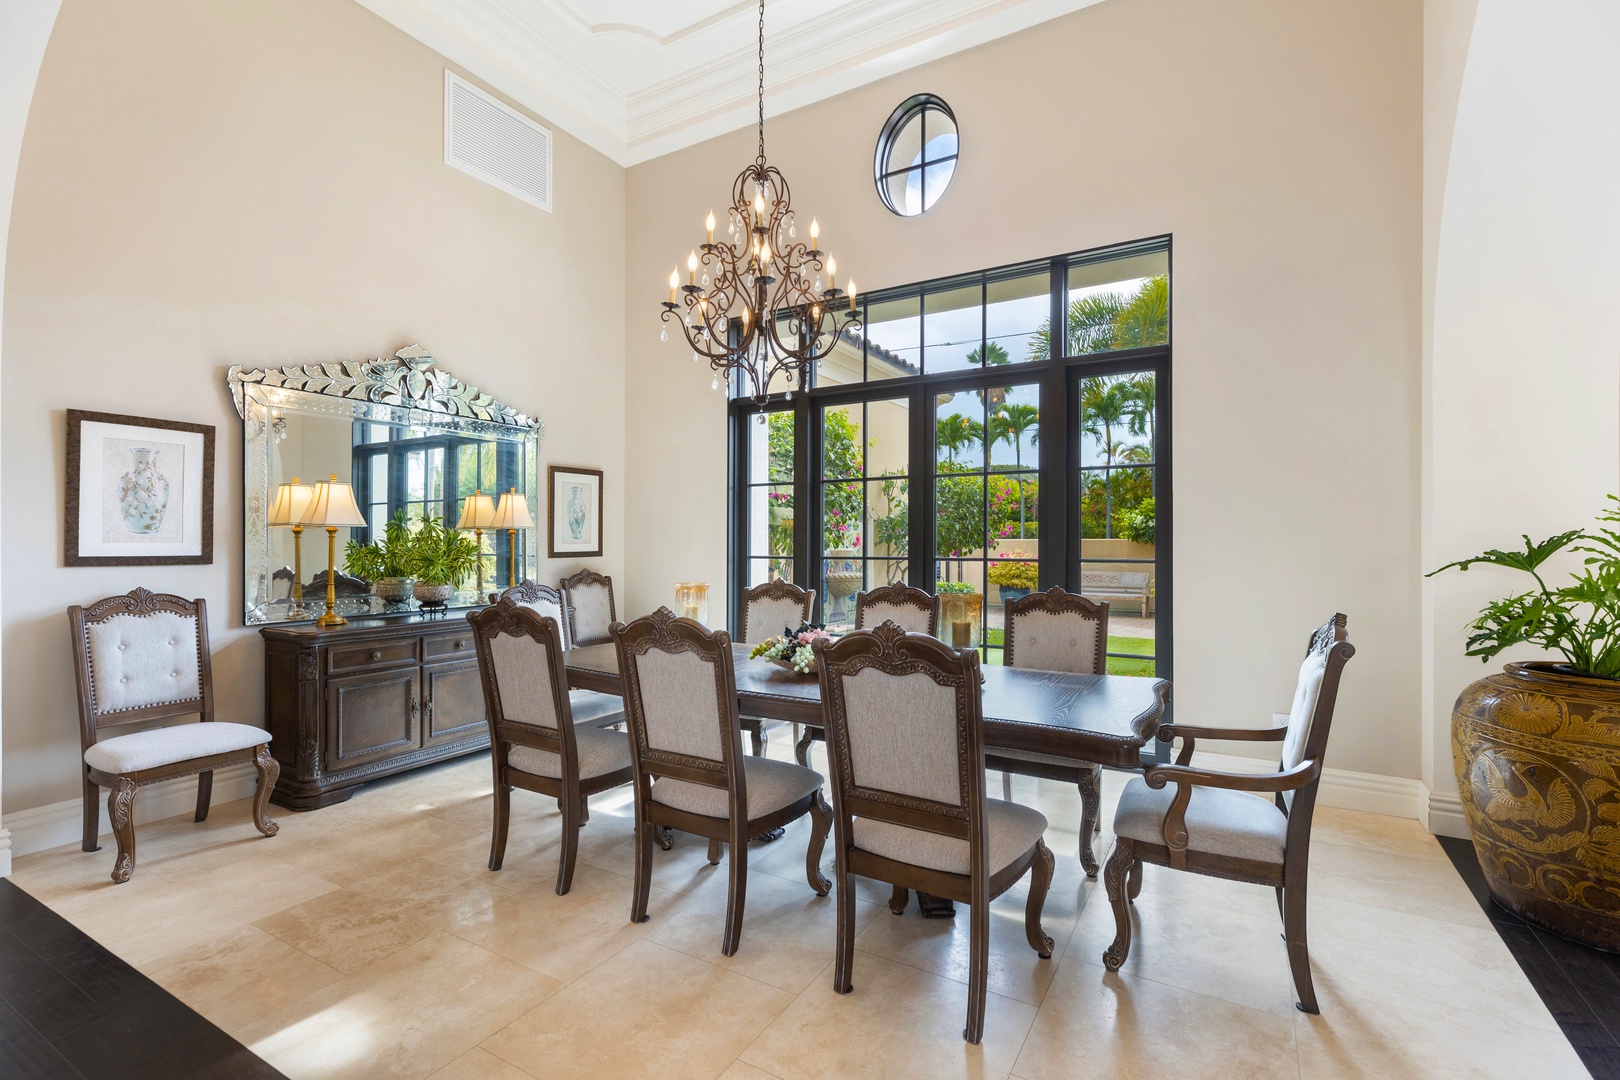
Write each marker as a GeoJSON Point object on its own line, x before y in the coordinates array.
{"type": "Point", "coordinates": [1013, 829]}
{"type": "Point", "coordinates": [771, 785]}
{"type": "Point", "coordinates": [168, 745]}
{"type": "Point", "coordinates": [144, 657]}
{"type": "Point", "coordinates": [601, 751]}
{"type": "Point", "coordinates": [1219, 822]}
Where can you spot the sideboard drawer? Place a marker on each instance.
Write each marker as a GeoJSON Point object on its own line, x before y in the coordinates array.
{"type": "Point", "coordinates": [449, 646]}
{"type": "Point", "coordinates": [377, 654]}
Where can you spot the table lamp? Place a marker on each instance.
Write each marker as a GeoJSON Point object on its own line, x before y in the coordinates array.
{"type": "Point", "coordinates": [512, 514]}
{"type": "Point", "coordinates": [333, 508]}
{"type": "Point", "coordinates": [287, 511]}
{"type": "Point", "coordinates": [478, 514]}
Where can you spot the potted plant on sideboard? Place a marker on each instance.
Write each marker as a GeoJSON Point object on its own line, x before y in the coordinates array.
{"type": "Point", "coordinates": [1016, 578]}
{"type": "Point", "coordinates": [441, 559]}
{"type": "Point", "coordinates": [385, 562]}
{"type": "Point", "coordinates": [1536, 747]}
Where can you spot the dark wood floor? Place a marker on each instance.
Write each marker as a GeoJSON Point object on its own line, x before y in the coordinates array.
{"type": "Point", "coordinates": [69, 1008]}
{"type": "Point", "coordinates": [1580, 986]}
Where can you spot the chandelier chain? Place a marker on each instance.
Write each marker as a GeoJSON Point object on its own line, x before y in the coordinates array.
{"type": "Point", "coordinates": [761, 158]}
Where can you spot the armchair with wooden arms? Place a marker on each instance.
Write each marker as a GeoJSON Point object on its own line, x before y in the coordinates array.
{"type": "Point", "coordinates": [1221, 823]}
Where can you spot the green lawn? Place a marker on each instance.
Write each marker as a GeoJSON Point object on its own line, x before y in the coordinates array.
{"type": "Point", "coordinates": [1117, 665]}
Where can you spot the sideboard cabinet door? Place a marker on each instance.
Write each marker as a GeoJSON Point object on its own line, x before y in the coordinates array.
{"type": "Point", "coordinates": [372, 716]}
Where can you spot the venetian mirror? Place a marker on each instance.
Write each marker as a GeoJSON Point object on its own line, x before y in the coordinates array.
{"type": "Point", "coordinates": [413, 440]}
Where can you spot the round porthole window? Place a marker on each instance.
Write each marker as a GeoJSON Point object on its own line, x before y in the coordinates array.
{"type": "Point", "coordinates": [916, 155]}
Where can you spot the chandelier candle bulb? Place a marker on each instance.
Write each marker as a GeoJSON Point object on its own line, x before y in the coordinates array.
{"type": "Point", "coordinates": [832, 272]}
{"type": "Point", "coordinates": [674, 283]}
{"type": "Point", "coordinates": [815, 232]}
{"type": "Point", "coordinates": [708, 223]}
{"type": "Point", "coordinates": [852, 295]}
{"type": "Point", "coordinates": [691, 268]}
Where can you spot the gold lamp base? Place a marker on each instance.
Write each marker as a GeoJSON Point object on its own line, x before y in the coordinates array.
{"type": "Point", "coordinates": [331, 618]}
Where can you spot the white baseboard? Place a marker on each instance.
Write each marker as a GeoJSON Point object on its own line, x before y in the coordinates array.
{"type": "Point", "coordinates": [1372, 793]}
{"type": "Point", "coordinates": [46, 827]}
{"type": "Point", "coordinates": [5, 853]}
{"type": "Point", "coordinates": [1445, 815]}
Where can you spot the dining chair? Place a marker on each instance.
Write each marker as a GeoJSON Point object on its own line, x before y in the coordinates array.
{"type": "Point", "coordinates": [768, 610]}
{"type": "Point", "coordinates": [1058, 631]}
{"type": "Point", "coordinates": [690, 771]}
{"type": "Point", "coordinates": [588, 600]}
{"type": "Point", "coordinates": [905, 729]}
{"type": "Point", "coordinates": [589, 707]}
{"type": "Point", "coordinates": [1223, 824]}
{"type": "Point", "coordinates": [535, 742]}
{"type": "Point", "coordinates": [145, 656]}
{"type": "Point", "coordinates": [913, 610]}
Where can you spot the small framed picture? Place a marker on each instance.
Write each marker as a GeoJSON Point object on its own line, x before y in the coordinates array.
{"type": "Point", "coordinates": [140, 492]}
{"type": "Point", "coordinates": [575, 505]}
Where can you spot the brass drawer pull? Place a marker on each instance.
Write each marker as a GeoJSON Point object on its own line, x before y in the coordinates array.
{"type": "Point", "coordinates": [461, 644]}
{"type": "Point", "coordinates": [377, 655]}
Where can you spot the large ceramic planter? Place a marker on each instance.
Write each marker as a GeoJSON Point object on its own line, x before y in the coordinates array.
{"type": "Point", "coordinates": [1537, 755]}
{"type": "Point", "coordinates": [395, 590]}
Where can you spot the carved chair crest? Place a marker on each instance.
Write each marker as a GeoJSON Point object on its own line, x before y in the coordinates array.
{"type": "Point", "coordinates": [1058, 601]}
{"type": "Point", "coordinates": [898, 596]}
{"type": "Point", "coordinates": [664, 631]}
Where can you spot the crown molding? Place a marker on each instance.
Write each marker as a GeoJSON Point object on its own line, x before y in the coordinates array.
{"type": "Point", "coordinates": [546, 57]}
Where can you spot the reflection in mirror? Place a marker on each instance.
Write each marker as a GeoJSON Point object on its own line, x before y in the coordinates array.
{"type": "Point", "coordinates": [417, 445]}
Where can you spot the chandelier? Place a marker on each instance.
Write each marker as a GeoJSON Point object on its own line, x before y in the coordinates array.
{"type": "Point", "coordinates": [761, 302]}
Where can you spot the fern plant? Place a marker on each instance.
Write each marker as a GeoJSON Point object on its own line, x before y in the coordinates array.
{"type": "Point", "coordinates": [389, 557]}
{"type": "Point", "coordinates": [1580, 620]}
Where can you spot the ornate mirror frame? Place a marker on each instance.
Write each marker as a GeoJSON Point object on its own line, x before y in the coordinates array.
{"type": "Point", "coordinates": [407, 389]}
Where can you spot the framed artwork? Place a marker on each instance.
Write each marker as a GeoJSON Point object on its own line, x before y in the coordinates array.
{"type": "Point", "coordinates": [575, 509]}
{"type": "Point", "coordinates": [140, 492]}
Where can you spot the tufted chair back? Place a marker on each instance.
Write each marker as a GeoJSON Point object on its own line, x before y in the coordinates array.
{"type": "Point", "coordinates": [1058, 631]}
{"type": "Point", "coordinates": [589, 598]}
{"type": "Point", "coordinates": [914, 610]}
{"type": "Point", "coordinates": [543, 600]}
{"type": "Point", "coordinates": [140, 656]}
{"type": "Point", "coordinates": [775, 606]}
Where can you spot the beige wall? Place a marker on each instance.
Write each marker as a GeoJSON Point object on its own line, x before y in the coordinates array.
{"type": "Point", "coordinates": [205, 184]}
{"type": "Point", "coordinates": [1280, 143]}
{"type": "Point", "coordinates": [1523, 414]}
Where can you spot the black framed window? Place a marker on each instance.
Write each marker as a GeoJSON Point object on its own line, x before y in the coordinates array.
{"type": "Point", "coordinates": [916, 155]}
{"type": "Point", "coordinates": [993, 431]}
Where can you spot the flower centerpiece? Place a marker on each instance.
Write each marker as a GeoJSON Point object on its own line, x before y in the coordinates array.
{"type": "Point", "coordinates": [793, 650]}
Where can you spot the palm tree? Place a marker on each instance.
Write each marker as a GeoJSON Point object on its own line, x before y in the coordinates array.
{"type": "Point", "coordinates": [1145, 318]}
{"type": "Point", "coordinates": [1091, 326]}
{"type": "Point", "coordinates": [1105, 404]}
{"type": "Point", "coordinates": [991, 355]}
{"type": "Point", "coordinates": [1008, 424]}
{"type": "Point", "coordinates": [955, 433]}
{"type": "Point", "coordinates": [1143, 394]}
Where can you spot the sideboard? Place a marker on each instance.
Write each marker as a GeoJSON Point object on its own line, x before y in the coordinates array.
{"type": "Point", "coordinates": [379, 696]}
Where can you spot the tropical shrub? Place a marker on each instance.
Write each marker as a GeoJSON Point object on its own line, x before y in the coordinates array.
{"type": "Point", "coordinates": [1138, 523]}
{"type": "Point", "coordinates": [1015, 573]}
{"type": "Point", "coordinates": [386, 557]}
{"type": "Point", "coordinates": [440, 555]}
{"type": "Point", "coordinates": [942, 588]}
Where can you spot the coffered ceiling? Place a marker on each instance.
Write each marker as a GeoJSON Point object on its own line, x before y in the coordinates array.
{"type": "Point", "coordinates": [640, 78]}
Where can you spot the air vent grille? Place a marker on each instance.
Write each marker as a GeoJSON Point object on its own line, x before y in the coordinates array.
{"type": "Point", "coordinates": [490, 140]}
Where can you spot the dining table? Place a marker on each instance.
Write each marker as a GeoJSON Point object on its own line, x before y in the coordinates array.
{"type": "Point", "coordinates": [1106, 719]}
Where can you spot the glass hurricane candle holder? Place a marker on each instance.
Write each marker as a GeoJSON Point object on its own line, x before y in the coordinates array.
{"type": "Point", "coordinates": [692, 600]}
{"type": "Point", "coordinates": [961, 619]}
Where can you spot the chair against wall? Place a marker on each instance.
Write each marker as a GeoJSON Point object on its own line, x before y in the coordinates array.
{"type": "Point", "coordinates": [1058, 631]}
{"type": "Point", "coordinates": [589, 707]}
{"type": "Point", "coordinates": [767, 610]}
{"type": "Point", "coordinates": [144, 656]}
{"type": "Point", "coordinates": [905, 730]}
{"type": "Point", "coordinates": [690, 771]}
{"type": "Point", "coordinates": [1223, 824]}
{"type": "Point", "coordinates": [588, 603]}
{"type": "Point", "coordinates": [913, 610]}
{"type": "Point", "coordinates": [534, 741]}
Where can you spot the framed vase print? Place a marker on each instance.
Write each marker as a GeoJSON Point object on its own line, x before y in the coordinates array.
{"type": "Point", "coordinates": [140, 492]}
{"type": "Point", "coordinates": [575, 509]}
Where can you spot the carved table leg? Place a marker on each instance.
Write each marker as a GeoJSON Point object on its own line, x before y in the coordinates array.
{"type": "Point", "coordinates": [121, 809]}
{"type": "Point", "coordinates": [801, 749]}
{"type": "Point", "coordinates": [1090, 812]}
{"type": "Point", "coordinates": [1114, 881]}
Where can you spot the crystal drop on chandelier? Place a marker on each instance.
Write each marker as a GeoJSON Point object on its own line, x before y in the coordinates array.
{"type": "Point", "coordinates": [663, 335]}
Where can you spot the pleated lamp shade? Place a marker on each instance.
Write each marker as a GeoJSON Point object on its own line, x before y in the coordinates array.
{"type": "Point", "coordinates": [512, 512]}
{"type": "Point", "coordinates": [478, 512]}
{"type": "Point", "coordinates": [291, 503]}
{"type": "Point", "coordinates": [333, 506]}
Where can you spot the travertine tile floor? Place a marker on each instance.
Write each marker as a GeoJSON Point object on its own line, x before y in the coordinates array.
{"type": "Point", "coordinates": [368, 939]}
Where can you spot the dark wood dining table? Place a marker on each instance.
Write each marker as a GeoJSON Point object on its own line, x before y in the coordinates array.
{"type": "Point", "coordinates": [1106, 719]}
